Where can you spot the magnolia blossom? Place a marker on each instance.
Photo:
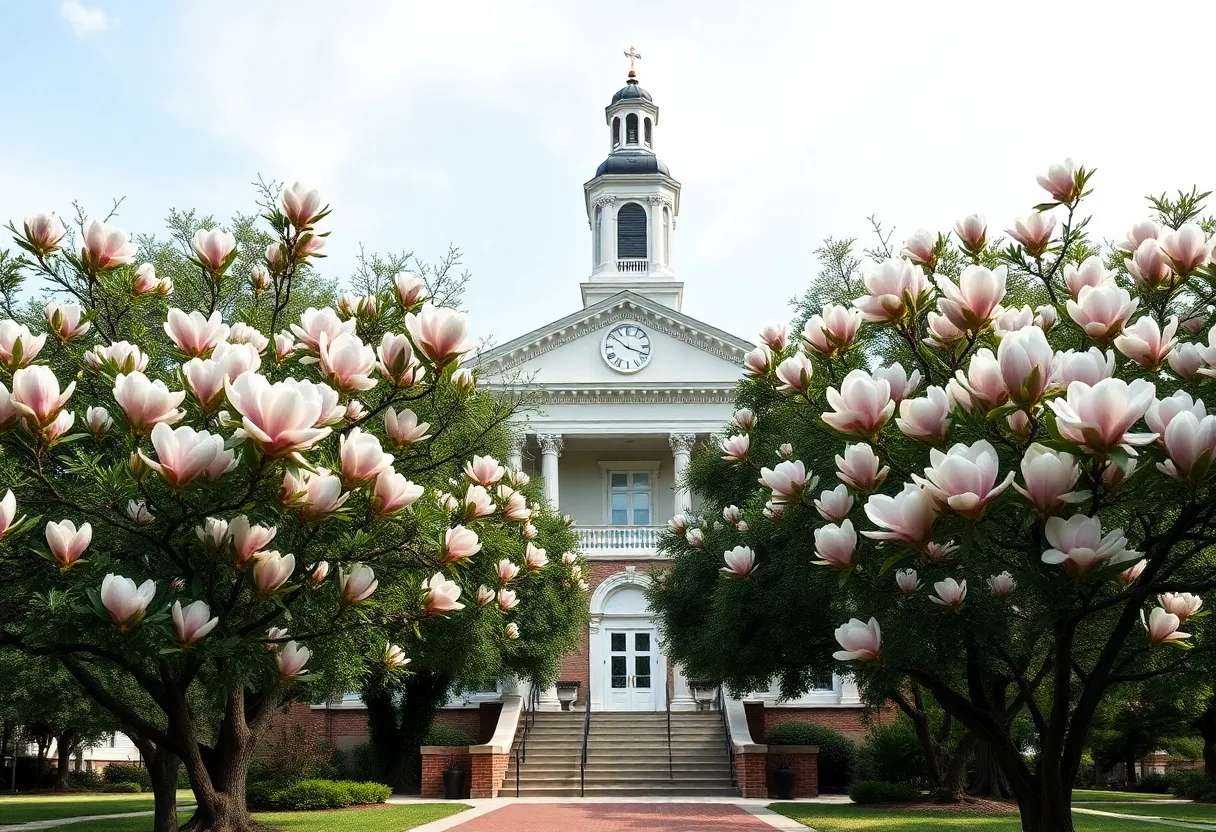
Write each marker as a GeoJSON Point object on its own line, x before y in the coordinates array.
{"type": "Point", "coordinates": [362, 457]}
{"type": "Point", "coordinates": [1046, 317]}
{"type": "Point", "coordinates": [1091, 272]}
{"type": "Point", "coordinates": [861, 406]}
{"type": "Point", "coordinates": [1190, 443]}
{"type": "Point", "coordinates": [195, 334]}
{"type": "Point", "coordinates": [43, 232]}
{"type": "Point", "coordinates": [213, 533]}
{"type": "Point", "coordinates": [862, 642]}
{"type": "Point", "coordinates": [902, 383]}
{"type": "Point", "coordinates": [317, 495]}
{"type": "Point", "coordinates": [317, 322]}
{"type": "Point", "coordinates": [1034, 232]}
{"type": "Point", "coordinates": [921, 248]}
{"type": "Point", "coordinates": [36, 394]}
{"type": "Point", "coordinates": [1002, 585]}
{"type": "Point", "coordinates": [105, 247]}
{"type": "Point", "coordinates": [1099, 416]}
{"type": "Point", "coordinates": [193, 622]}
{"type": "Point", "coordinates": [145, 280]}
{"type": "Point", "coordinates": [1186, 361]}
{"type": "Point", "coordinates": [347, 362]}
{"type": "Point", "coordinates": [1011, 320]}
{"type": "Point", "coordinates": [740, 562]}
{"type": "Point", "coordinates": [1114, 474]}
{"type": "Point", "coordinates": [787, 480]}
{"type": "Point", "coordinates": [834, 505]}
{"type": "Point", "coordinates": [184, 454]}
{"type": "Point", "coordinates": [833, 330]}
{"type": "Point", "coordinates": [515, 509]}
{"type": "Point", "coordinates": [64, 541]}
{"type": "Point", "coordinates": [1149, 267]}
{"type": "Point", "coordinates": [281, 418]}
{"type": "Point", "coordinates": [124, 601]}
{"type": "Point", "coordinates": [732, 515]}
{"type": "Point", "coordinates": [477, 502]}
{"type": "Point", "coordinates": [972, 232]}
{"type": "Point", "coordinates": [309, 245]}
{"type": "Point", "coordinates": [744, 419]}
{"type": "Point", "coordinates": [695, 538]}
{"type": "Point", "coordinates": [484, 470]}
{"type": "Point", "coordinates": [775, 336]}
{"type": "Point", "coordinates": [1141, 231]}
{"type": "Point", "coordinates": [907, 581]}
{"type": "Point", "coordinates": [983, 385]}
{"type": "Point", "coordinates": [1162, 627]}
{"type": "Point", "coordinates": [836, 545]}
{"type": "Point", "coordinates": [858, 468]}
{"type": "Point", "coordinates": [403, 428]}
{"type": "Point", "coordinates": [907, 517]}
{"type": "Point", "coordinates": [1145, 343]}
{"type": "Point", "coordinates": [1025, 362]}
{"type": "Point", "coordinates": [215, 249]}
{"type": "Point", "coordinates": [507, 600]}
{"type": "Point", "coordinates": [301, 204]}
{"type": "Point", "coordinates": [1187, 248]}
{"type": "Point", "coordinates": [1162, 411]}
{"type": "Point", "coordinates": [138, 511]}
{"type": "Point", "coordinates": [460, 544]}
{"type": "Point", "coordinates": [950, 593]}
{"type": "Point", "coordinates": [291, 660]}
{"type": "Point", "coordinates": [59, 427]}
{"type": "Point", "coordinates": [972, 303]}
{"type": "Point", "coordinates": [795, 373]}
{"type": "Point", "coordinates": [785, 450]}
{"type": "Point", "coordinates": [441, 595]}
{"type": "Point", "coordinates": [734, 448]}
{"type": "Point", "coordinates": [927, 419]}
{"type": "Point", "coordinates": [511, 631]}
{"type": "Point", "coordinates": [964, 478]}
{"type": "Point", "coordinates": [411, 290]}
{"type": "Point", "coordinates": [942, 333]}
{"type": "Point", "coordinates": [1182, 604]}
{"type": "Point", "coordinates": [1102, 311]}
{"type": "Point", "coordinates": [758, 361]}
{"type": "Point", "coordinates": [1051, 477]}
{"type": "Point", "coordinates": [1060, 181]}
{"type": "Point", "coordinates": [1090, 367]}
{"type": "Point", "coordinates": [248, 539]}
{"type": "Point", "coordinates": [485, 595]}
{"type": "Point", "coordinates": [439, 333]}
{"type": "Point", "coordinates": [394, 657]}
{"type": "Point", "coordinates": [772, 511]}
{"type": "Point", "coordinates": [893, 287]}
{"type": "Point", "coordinates": [519, 478]}
{"type": "Point", "coordinates": [8, 510]}
{"type": "Point", "coordinates": [205, 378]}
{"type": "Point", "coordinates": [393, 492]}
{"type": "Point", "coordinates": [397, 362]}
{"type": "Point", "coordinates": [120, 357]}
{"type": "Point", "coordinates": [1129, 575]}
{"type": "Point", "coordinates": [506, 571]}
{"type": "Point", "coordinates": [63, 319]}
{"type": "Point", "coordinates": [1078, 544]}
{"type": "Point", "coordinates": [271, 570]}
{"type": "Point", "coordinates": [357, 585]}
{"type": "Point", "coordinates": [678, 524]}
{"type": "Point", "coordinates": [259, 278]}
{"type": "Point", "coordinates": [534, 557]}
{"type": "Point", "coordinates": [98, 421]}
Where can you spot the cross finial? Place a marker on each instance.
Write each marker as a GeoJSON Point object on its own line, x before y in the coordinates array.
{"type": "Point", "coordinates": [633, 55]}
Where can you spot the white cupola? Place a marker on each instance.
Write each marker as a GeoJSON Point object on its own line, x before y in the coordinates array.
{"type": "Point", "coordinates": [632, 205]}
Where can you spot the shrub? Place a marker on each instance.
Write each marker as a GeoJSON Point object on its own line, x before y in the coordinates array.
{"type": "Point", "coordinates": [1193, 785]}
{"type": "Point", "coordinates": [358, 763]}
{"type": "Point", "coordinates": [877, 791]}
{"type": "Point", "coordinates": [1154, 784]}
{"type": "Point", "coordinates": [892, 753]}
{"type": "Point", "coordinates": [89, 781]}
{"type": "Point", "coordinates": [262, 794]}
{"type": "Point", "coordinates": [313, 794]}
{"type": "Point", "coordinates": [367, 792]}
{"type": "Point", "coordinates": [837, 753]}
{"type": "Point", "coordinates": [183, 777]}
{"type": "Point", "coordinates": [447, 735]}
{"type": "Point", "coordinates": [123, 788]}
{"type": "Point", "coordinates": [127, 773]}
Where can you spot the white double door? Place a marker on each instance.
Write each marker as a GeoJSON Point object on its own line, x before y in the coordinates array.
{"type": "Point", "coordinates": [635, 676]}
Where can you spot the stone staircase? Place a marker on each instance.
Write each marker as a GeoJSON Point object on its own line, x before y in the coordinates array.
{"type": "Point", "coordinates": [626, 756]}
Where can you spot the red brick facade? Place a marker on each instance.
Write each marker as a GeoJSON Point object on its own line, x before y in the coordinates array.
{"type": "Point", "coordinates": [751, 771]}
{"type": "Point", "coordinates": [488, 773]}
{"type": "Point", "coordinates": [803, 759]}
{"type": "Point", "coordinates": [436, 759]}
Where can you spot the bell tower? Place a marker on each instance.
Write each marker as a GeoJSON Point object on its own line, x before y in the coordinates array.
{"type": "Point", "coordinates": [632, 204]}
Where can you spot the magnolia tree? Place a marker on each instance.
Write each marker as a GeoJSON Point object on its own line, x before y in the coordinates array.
{"type": "Point", "coordinates": [236, 504]}
{"type": "Point", "coordinates": [998, 482]}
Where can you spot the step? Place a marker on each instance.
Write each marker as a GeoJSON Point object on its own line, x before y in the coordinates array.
{"type": "Point", "coordinates": [678, 790]}
{"type": "Point", "coordinates": [677, 766]}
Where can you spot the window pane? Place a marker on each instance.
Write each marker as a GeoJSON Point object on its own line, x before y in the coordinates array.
{"type": "Point", "coordinates": [618, 642]}
{"type": "Point", "coordinates": [641, 480]}
{"type": "Point", "coordinates": [620, 480]}
{"type": "Point", "coordinates": [641, 666]}
{"type": "Point", "coordinates": [641, 642]}
{"type": "Point", "coordinates": [620, 509]}
{"type": "Point", "coordinates": [641, 516]}
{"type": "Point", "coordinates": [620, 518]}
{"type": "Point", "coordinates": [620, 679]}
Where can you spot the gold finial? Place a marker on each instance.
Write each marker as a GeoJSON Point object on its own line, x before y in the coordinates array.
{"type": "Point", "coordinates": [633, 55]}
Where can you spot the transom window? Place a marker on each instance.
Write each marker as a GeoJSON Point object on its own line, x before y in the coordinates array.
{"type": "Point", "coordinates": [629, 497]}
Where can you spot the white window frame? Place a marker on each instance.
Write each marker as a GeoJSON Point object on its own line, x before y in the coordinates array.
{"type": "Point", "coordinates": [608, 468]}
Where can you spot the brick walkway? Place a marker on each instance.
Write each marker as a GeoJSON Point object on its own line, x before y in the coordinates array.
{"type": "Point", "coordinates": [615, 817]}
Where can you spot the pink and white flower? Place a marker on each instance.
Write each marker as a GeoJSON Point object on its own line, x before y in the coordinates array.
{"type": "Point", "coordinates": [506, 571]}
{"type": "Point", "coordinates": [972, 231]}
{"type": "Point", "coordinates": [1187, 248]}
{"type": "Point", "coordinates": [347, 362]}
{"type": "Point", "coordinates": [1002, 585]}
{"type": "Point", "coordinates": [774, 336]}
{"type": "Point", "coordinates": [477, 503]}
{"type": "Point", "coordinates": [734, 448]}
{"type": "Point", "coordinates": [511, 631]}
{"type": "Point", "coordinates": [441, 595]}
{"type": "Point", "coordinates": [291, 659]}
{"type": "Point", "coordinates": [18, 346]}
{"type": "Point", "coordinates": [302, 205]}
{"type": "Point", "coordinates": [983, 384]}
{"type": "Point", "coordinates": [926, 419]}
{"type": "Point", "coordinates": [357, 585]}
{"type": "Point", "coordinates": [1025, 360]}
{"type": "Point", "coordinates": [695, 538]}
{"type": "Point", "coordinates": [249, 539]}
{"type": "Point", "coordinates": [744, 419]}
{"type": "Point", "coordinates": [1051, 478]}
{"type": "Point", "coordinates": [795, 373]}
{"type": "Point", "coordinates": [1149, 267]}
{"type": "Point", "coordinates": [1129, 575]}
{"type": "Point", "coordinates": [1190, 443]}
{"type": "Point", "coordinates": [397, 362]}
{"type": "Point", "coordinates": [1141, 231]}
{"type": "Point", "coordinates": [1102, 311]}
{"type": "Point", "coordinates": [1162, 411]}
{"type": "Point", "coordinates": [145, 280]}
{"type": "Point", "coordinates": [907, 581]}
{"type": "Point", "coordinates": [1060, 181]}
{"type": "Point", "coordinates": [835, 505]}
{"type": "Point", "coordinates": [484, 470]}
{"type": "Point", "coordinates": [859, 468]}
{"type": "Point", "coordinates": [411, 290]}
{"type": "Point", "coordinates": [907, 517]}
{"type": "Point", "coordinates": [485, 595]}
{"type": "Point", "coordinates": [1099, 417]}
{"type": "Point", "coordinates": [119, 357]}
{"type": "Point", "coordinates": [394, 657]}
{"type": "Point", "coordinates": [1090, 367]}
{"type": "Point", "coordinates": [902, 383]}
{"type": "Point", "coordinates": [787, 480]}
{"type": "Point", "coordinates": [460, 544]}
{"type": "Point", "coordinates": [964, 478]}
{"type": "Point", "coordinates": [124, 601]}
{"type": "Point", "coordinates": [862, 642]}
{"type": "Point", "coordinates": [833, 330]}
{"type": "Point", "coordinates": [977, 297]}
{"type": "Point", "coordinates": [1046, 317]}
{"type": "Point", "coordinates": [1011, 320]}
{"type": "Point", "coordinates": [362, 457]}
{"type": "Point", "coordinates": [950, 593]}
{"type": "Point", "coordinates": [403, 428]}
{"type": "Point", "coordinates": [205, 379]}
{"type": "Point", "coordinates": [893, 286]}
{"type": "Point", "coordinates": [1145, 343]}
{"type": "Point", "coordinates": [105, 247]}
{"type": "Point", "coordinates": [243, 333]}
{"type": "Point", "coordinates": [36, 394]}
{"type": "Point", "coordinates": [215, 249]}
{"type": "Point", "coordinates": [184, 454]}
{"type": "Point", "coordinates": [281, 418]}
{"type": "Point", "coordinates": [438, 333]}
{"type": "Point", "coordinates": [836, 545]}
{"type": "Point", "coordinates": [1182, 604]}
{"type": "Point", "coordinates": [861, 406]}
{"type": "Point", "coordinates": [44, 232]}
{"type": "Point", "coordinates": [393, 492]}
{"type": "Point", "coordinates": [1078, 544]}
{"type": "Point", "coordinates": [1091, 272]}
{"type": "Point", "coordinates": [942, 333]}
{"type": "Point", "coordinates": [1034, 232]}
{"type": "Point", "coordinates": [8, 510]}
{"type": "Point", "coordinates": [534, 557]}
{"type": "Point", "coordinates": [193, 622]}
{"type": "Point", "coordinates": [271, 570]}
{"type": "Point", "coordinates": [921, 248]}
{"type": "Point", "coordinates": [1162, 627]}
{"type": "Point", "coordinates": [63, 319]}
{"type": "Point", "coordinates": [318, 495]}
{"type": "Point", "coordinates": [64, 541]}
{"type": "Point", "coordinates": [1186, 361]}
{"type": "Point", "coordinates": [507, 600]}
{"type": "Point", "coordinates": [195, 335]}
{"type": "Point", "coordinates": [213, 533]}
{"type": "Point", "coordinates": [740, 562]}
{"type": "Point", "coordinates": [758, 361]}
{"type": "Point", "coordinates": [317, 322]}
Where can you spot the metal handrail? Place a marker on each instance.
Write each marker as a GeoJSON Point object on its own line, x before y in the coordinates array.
{"type": "Point", "coordinates": [582, 769]}
{"type": "Point", "coordinates": [720, 704]}
{"type": "Point", "coordinates": [671, 774]}
{"type": "Point", "coordinates": [531, 704]}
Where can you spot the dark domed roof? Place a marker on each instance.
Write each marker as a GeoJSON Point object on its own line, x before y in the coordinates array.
{"type": "Point", "coordinates": [631, 90]}
{"type": "Point", "coordinates": [632, 163]}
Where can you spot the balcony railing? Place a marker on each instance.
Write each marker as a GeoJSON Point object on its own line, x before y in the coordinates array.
{"type": "Point", "coordinates": [618, 538]}
{"type": "Point", "coordinates": [633, 266]}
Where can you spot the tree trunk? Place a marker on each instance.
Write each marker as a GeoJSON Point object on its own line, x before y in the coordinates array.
{"type": "Point", "coordinates": [1050, 812]}
{"type": "Point", "coordinates": [950, 789]}
{"type": "Point", "coordinates": [397, 725]}
{"type": "Point", "coordinates": [1207, 730]}
{"type": "Point", "coordinates": [1100, 773]}
{"type": "Point", "coordinates": [219, 775]}
{"type": "Point", "coordinates": [1129, 765]}
{"type": "Point", "coordinates": [66, 746]}
{"type": "Point", "coordinates": [162, 767]}
{"type": "Point", "coordinates": [40, 763]}
{"type": "Point", "coordinates": [988, 779]}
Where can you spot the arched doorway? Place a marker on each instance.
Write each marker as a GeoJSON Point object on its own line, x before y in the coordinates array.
{"type": "Point", "coordinates": [627, 670]}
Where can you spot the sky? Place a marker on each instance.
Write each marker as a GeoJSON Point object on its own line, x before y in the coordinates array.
{"type": "Point", "coordinates": [477, 123]}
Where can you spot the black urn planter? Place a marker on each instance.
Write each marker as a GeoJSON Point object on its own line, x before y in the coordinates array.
{"type": "Point", "coordinates": [453, 784]}
{"type": "Point", "coordinates": [785, 779]}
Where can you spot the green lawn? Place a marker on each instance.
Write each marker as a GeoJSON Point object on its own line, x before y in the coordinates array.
{"type": "Point", "coordinates": [1194, 812]}
{"type": "Point", "coordinates": [826, 818]}
{"type": "Point", "coordinates": [23, 808]}
{"type": "Point", "coordinates": [395, 818]}
{"type": "Point", "coordinates": [1092, 794]}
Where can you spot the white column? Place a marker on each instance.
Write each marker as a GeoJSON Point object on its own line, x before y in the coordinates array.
{"type": "Point", "coordinates": [849, 694]}
{"type": "Point", "coordinates": [681, 449]}
{"type": "Point", "coordinates": [515, 452]}
{"type": "Point", "coordinates": [681, 692]}
{"type": "Point", "coordinates": [607, 235]}
{"type": "Point", "coordinates": [655, 221]}
{"type": "Point", "coordinates": [550, 450]}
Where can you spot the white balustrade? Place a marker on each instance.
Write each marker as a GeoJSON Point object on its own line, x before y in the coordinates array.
{"type": "Point", "coordinates": [638, 266]}
{"type": "Point", "coordinates": [634, 538]}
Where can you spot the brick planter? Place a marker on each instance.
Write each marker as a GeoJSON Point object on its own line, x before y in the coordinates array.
{"type": "Point", "coordinates": [489, 768]}
{"type": "Point", "coordinates": [435, 761]}
{"type": "Point", "coordinates": [751, 774]}
{"type": "Point", "coordinates": [803, 759]}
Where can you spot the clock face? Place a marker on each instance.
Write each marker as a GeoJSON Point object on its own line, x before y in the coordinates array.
{"type": "Point", "coordinates": [626, 348]}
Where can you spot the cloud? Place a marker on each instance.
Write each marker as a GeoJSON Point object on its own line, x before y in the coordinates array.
{"type": "Point", "coordinates": [84, 21]}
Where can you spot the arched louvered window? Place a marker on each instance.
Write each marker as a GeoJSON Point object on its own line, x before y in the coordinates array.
{"type": "Point", "coordinates": [631, 232]}
{"type": "Point", "coordinates": [648, 136]}
{"type": "Point", "coordinates": [631, 128]}
{"type": "Point", "coordinates": [616, 132]}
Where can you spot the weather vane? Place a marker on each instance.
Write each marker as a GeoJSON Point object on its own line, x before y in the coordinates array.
{"type": "Point", "coordinates": [633, 55]}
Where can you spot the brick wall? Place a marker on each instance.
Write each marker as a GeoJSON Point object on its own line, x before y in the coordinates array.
{"type": "Point", "coordinates": [751, 772]}
{"type": "Point", "coordinates": [488, 773]}
{"type": "Point", "coordinates": [435, 761]}
{"type": "Point", "coordinates": [803, 759]}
